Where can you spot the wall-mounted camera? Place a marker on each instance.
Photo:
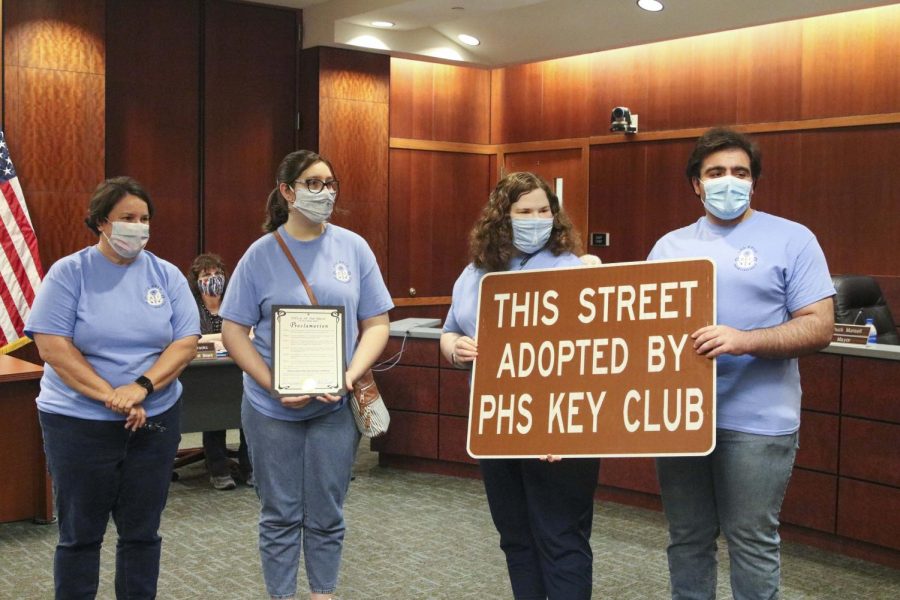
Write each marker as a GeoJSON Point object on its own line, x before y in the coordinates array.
{"type": "Point", "coordinates": [621, 120]}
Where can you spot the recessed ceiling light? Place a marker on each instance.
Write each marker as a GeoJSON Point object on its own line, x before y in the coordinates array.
{"type": "Point", "coordinates": [382, 24]}
{"type": "Point", "coordinates": [651, 5]}
{"type": "Point", "coordinates": [469, 40]}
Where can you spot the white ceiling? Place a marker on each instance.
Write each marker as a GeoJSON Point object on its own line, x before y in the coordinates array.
{"type": "Point", "coordinates": [520, 31]}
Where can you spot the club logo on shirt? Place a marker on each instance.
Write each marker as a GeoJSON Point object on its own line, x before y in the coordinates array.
{"type": "Point", "coordinates": [341, 272]}
{"type": "Point", "coordinates": [746, 258]}
{"type": "Point", "coordinates": [154, 296]}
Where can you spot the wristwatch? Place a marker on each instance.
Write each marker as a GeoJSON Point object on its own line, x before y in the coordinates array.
{"type": "Point", "coordinates": [145, 383]}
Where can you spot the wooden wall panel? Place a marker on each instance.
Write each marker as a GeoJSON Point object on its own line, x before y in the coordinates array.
{"type": "Point", "coordinates": [851, 63]}
{"type": "Point", "coordinates": [869, 451]}
{"type": "Point", "coordinates": [461, 104]}
{"type": "Point", "coordinates": [637, 474]}
{"type": "Point", "coordinates": [618, 78]}
{"type": "Point", "coordinates": [869, 388]}
{"type": "Point", "coordinates": [415, 352]}
{"type": "Point", "coordinates": [249, 118]}
{"type": "Point", "coordinates": [857, 520]}
{"type": "Point", "coordinates": [455, 392]}
{"type": "Point", "coordinates": [54, 66]}
{"type": "Point", "coordinates": [435, 198]}
{"type": "Point", "coordinates": [768, 85]}
{"type": "Point", "coordinates": [410, 434]}
{"type": "Point", "coordinates": [567, 164]}
{"type": "Point", "coordinates": [353, 75]}
{"type": "Point", "coordinates": [153, 116]}
{"type": "Point", "coordinates": [820, 379]}
{"type": "Point", "coordinates": [410, 388]}
{"type": "Point", "coordinates": [452, 440]}
{"type": "Point", "coordinates": [354, 136]}
{"type": "Point", "coordinates": [566, 98]}
{"type": "Point", "coordinates": [692, 83]}
{"type": "Point", "coordinates": [61, 35]}
{"type": "Point", "coordinates": [412, 99]}
{"type": "Point", "coordinates": [811, 500]}
{"type": "Point", "coordinates": [847, 199]}
{"type": "Point", "coordinates": [517, 103]}
{"type": "Point", "coordinates": [818, 442]}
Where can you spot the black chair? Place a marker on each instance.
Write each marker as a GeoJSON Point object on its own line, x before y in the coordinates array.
{"type": "Point", "coordinates": [858, 298]}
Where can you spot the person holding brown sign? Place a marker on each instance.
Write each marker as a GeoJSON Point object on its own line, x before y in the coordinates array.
{"type": "Point", "coordinates": [774, 303]}
{"type": "Point", "coordinates": [542, 509]}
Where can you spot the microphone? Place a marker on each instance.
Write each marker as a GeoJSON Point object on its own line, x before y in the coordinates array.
{"type": "Point", "coordinates": [858, 315]}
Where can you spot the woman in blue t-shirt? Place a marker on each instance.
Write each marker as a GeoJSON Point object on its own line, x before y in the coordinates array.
{"type": "Point", "coordinates": [302, 447]}
{"type": "Point", "coordinates": [115, 326]}
{"type": "Point", "coordinates": [542, 508]}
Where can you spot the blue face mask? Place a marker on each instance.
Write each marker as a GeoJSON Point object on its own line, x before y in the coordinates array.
{"type": "Point", "coordinates": [727, 197]}
{"type": "Point", "coordinates": [530, 235]}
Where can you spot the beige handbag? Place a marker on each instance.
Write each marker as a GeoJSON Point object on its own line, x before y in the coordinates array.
{"type": "Point", "coordinates": [369, 411]}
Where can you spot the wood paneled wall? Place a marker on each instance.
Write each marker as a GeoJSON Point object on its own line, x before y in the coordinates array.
{"type": "Point", "coordinates": [249, 118]}
{"type": "Point", "coordinates": [833, 176]}
{"type": "Point", "coordinates": [153, 115]}
{"type": "Point", "coordinates": [349, 92]}
{"type": "Point", "coordinates": [54, 65]}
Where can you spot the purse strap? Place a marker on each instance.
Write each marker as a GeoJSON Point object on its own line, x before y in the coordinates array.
{"type": "Point", "coordinates": [290, 257]}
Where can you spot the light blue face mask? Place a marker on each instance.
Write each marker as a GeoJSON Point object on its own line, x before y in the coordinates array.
{"type": "Point", "coordinates": [727, 197]}
{"type": "Point", "coordinates": [530, 235]}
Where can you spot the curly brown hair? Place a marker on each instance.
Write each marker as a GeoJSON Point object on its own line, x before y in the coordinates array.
{"type": "Point", "coordinates": [491, 241]}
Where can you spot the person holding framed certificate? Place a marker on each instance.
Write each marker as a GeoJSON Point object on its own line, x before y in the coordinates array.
{"type": "Point", "coordinates": [299, 366]}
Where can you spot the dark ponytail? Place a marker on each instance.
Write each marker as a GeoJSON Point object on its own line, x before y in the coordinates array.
{"type": "Point", "coordinates": [289, 170]}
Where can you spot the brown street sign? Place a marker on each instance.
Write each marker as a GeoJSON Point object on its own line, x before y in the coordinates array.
{"type": "Point", "coordinates": [594, 362]}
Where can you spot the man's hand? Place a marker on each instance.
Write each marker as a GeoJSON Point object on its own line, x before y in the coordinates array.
{"type": "Point", "coordinates": [714, 340]}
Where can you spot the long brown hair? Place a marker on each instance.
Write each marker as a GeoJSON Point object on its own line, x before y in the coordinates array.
{"type": "Point", "coordinates": [289, 170]}
{"type": "Point", "coordinates": [491, 241]}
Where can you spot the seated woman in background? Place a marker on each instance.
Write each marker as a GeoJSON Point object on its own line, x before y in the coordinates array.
{"type": "Point", "coordinates": [116, 326]}
{"type": "Point", "coordinates": [208, 279]}
{"type": "Point", "coordinates": [543, 509]}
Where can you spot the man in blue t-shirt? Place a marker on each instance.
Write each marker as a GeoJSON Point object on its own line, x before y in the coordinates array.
{"type": "Point", "coordinates": [774, 303]}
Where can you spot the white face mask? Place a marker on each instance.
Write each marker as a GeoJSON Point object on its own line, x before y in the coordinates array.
{"type": "Point", "coordinates": [315, 207]}
{"type": "Point", "coordinates": [530, 235]}
{"type": "Point", "coordinates": [727, 197]}
{"type": "Point", "coordinates": [128, 239]}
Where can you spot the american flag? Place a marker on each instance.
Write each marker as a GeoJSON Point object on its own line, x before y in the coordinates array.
{"type": "Point", "coordinates": [20, 265]}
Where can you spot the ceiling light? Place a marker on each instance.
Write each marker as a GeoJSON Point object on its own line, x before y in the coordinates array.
{"type": "Point", "coordinates": [651, 5]}
{"type": "Point", "coordinates": [382, 24]}
{"type": "Point", "coordinates": [469, 40]}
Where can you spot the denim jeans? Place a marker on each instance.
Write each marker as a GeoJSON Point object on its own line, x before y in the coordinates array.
{"type": "Point", "coordinates": [543, 512]}
{"type": "Point", "coordinates": [100, 468]}
{"type": "Point", "coordinates": [738, 490]}
{"type": "Point", "coordinates": [302, 471]}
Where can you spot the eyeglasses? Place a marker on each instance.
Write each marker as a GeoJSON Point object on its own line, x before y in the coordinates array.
{"type": "Point", "coordinates": [317, 185]}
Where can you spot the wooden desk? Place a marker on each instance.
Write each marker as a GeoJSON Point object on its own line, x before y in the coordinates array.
{"type": "Point", "coordinates": [211, 399]}
{"type": "Point", "coordinates": [25, 489]}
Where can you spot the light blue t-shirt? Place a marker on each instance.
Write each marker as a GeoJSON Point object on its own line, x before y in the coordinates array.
{"type": "Point", "coordinates": [766, 268]}
{"type": "Point", "coordinates": [341, 270]}
{"type": "Point", "coordinates": [463, 315]}
{"type": "Point", "coordinates": [120, 317]}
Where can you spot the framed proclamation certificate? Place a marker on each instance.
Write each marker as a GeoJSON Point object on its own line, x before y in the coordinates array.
{"type": "Point", "coordinates": [308, 350]}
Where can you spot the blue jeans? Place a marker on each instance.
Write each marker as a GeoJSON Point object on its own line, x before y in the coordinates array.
{"type": "Point", "coordinates": [543, 512]}
{"type": "Point", "coordinates": [302, 471]}
{"type": "Point", "coordinates": [738, 490]}
{"type": "Point", "coordinates": [100, 468]}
